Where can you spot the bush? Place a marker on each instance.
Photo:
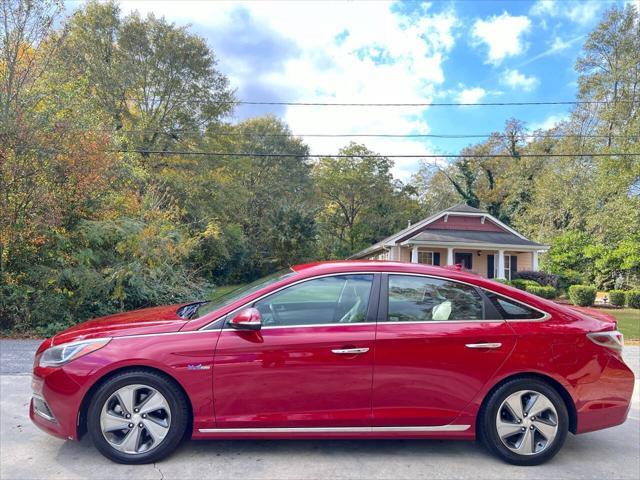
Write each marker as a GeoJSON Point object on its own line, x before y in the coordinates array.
{"type": "Point", "coordinates": [633, 298]}
{"type": "Point", "coordinates": [617, 297]}
{"type": "Point", "coordinates": [104, 267]}
{"type": "Point", "coordinates": [582, 295]}
{"type": "Point", "coordinates": [522, 284]}
{"type": "Point", "coordinates": [541, 278]}
{"type": "Point", "coordinates": [568, 278]}
{"type": "Point", "coordinates": [544, 292]}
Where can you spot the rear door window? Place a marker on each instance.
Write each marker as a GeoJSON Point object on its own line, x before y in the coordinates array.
{"type": "Point", "coordinates": [423, 299]}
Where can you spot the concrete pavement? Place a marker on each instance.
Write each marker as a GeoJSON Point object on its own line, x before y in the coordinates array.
{"type": "Point", "coordinates": [28, 453]}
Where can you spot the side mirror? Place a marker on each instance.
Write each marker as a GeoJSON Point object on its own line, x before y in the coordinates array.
{"type": "Point", "coordinates": [247, 319]}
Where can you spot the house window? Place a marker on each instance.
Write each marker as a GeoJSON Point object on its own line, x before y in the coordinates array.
{"type": "Point", "coordinates": [425, 257]}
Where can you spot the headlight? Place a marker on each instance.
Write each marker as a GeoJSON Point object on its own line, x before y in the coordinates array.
{"type": "Point", "coordinates": [61, 354]}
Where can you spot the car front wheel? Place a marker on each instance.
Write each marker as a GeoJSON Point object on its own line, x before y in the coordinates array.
{"type": "Point", "coordinates": [524, 422]}
{"type": "Point", "coordinates": [137, 417]}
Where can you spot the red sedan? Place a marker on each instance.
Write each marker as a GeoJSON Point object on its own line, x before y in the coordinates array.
{"type": "Point", "coordinates": [338, 350]}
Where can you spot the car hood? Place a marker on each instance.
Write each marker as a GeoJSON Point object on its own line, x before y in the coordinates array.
{"type": "Point", "coordinates": [137, 322]}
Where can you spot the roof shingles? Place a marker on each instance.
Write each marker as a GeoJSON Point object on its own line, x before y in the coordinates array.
{"type": "Point", "coordinates": [474, 237]}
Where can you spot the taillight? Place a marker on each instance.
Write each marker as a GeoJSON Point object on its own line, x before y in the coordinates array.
{"type": "Point", "coordinates": [612, 339]}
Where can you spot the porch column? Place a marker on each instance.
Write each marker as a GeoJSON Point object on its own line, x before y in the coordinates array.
{"type": "Point", "coordinates": [500, 274]}
{"type": "Point", "coordinates": [449, 255]}
{"type": "Point", "coordinates": [534, 261]}
{"type": "Point", "coordinates": [414, 254]}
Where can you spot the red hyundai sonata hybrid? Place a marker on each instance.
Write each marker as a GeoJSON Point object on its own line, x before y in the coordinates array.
{"type": "Point", "coordinates": [338, 350]}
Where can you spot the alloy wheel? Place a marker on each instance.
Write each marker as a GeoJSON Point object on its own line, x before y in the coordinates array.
{"type": "Point", "coordinates": [527, 422]}
{"type": "Point", "coordinates": [135, 419]}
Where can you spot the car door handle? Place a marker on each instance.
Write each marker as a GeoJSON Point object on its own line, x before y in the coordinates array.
{"type": "Point", "coordinates": [349, 351]}
{"type": "Point", "coordinates": [483, 345]}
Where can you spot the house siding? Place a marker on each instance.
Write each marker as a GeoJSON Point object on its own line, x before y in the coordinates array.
{"type": "Point", "coordinates": [479, 262]}
{"type": "Point", "coordinates": [464, 223]}
{"type": "Point", "coordinates": [525, 261]}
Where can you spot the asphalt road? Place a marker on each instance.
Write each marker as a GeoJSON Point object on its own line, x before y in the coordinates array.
{"type": "Point", "coordinates": [28, 453]}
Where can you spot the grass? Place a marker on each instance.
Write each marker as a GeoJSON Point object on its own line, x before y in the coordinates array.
{"type": "Point", "coordinates": [628, 322]}
{"type": "Point", "coordinates": [222, 290]}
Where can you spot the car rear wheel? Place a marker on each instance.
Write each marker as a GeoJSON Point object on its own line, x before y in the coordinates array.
{"type": "Point", "coordinates": [137, 417]}
{"type": "Point", "coordinates": [524, 422]}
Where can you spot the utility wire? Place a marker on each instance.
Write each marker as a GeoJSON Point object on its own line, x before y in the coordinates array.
{"type": "Point", "coordinates": [317, 155]}
{"type": "Point", "coordinates": [417, 104]}
{"type": "Point", "coordinates": [348, 135]}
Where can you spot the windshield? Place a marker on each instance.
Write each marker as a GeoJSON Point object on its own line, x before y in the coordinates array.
{"type": "Point", "coordinates": [227, 298]}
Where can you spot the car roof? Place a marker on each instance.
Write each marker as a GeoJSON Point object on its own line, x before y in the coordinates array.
{"type": "Point", "coordinates": [334, 266]}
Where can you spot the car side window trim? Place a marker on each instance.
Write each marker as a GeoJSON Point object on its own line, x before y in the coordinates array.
{"type": "Point", "coordinates": [372, 308]}
{"type": "Point", "coordinates": [544, 315]}
{"type": "Point", "coordinates": [378, 303]}
{"type": "Point", "coordinates": [383, 308]}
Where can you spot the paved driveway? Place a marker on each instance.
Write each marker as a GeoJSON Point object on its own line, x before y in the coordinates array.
{"type": "Point", "coordinates": [28, 453]}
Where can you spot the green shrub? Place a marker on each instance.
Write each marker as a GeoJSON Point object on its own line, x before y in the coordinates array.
{"type": "Point", "coordinates": [582, 295]}
{"type": "Point", "coordinates": [617, 297]}
{"type": "Point", "coordinates": [540, 278]}
{"type": "Point", "coordinates": [105, 267]}
{"type": "Point", "coordinates": [522, 284]}
{"type": "Point", "coordinates": [568, 278]}
{"type": "Point", "coordinates": [544, 292]}
{"type": "Point", "coordinates": [633, 298]}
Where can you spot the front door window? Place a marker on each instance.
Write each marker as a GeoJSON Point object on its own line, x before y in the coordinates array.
{"type": "Point", "coordinates": [325, 300]}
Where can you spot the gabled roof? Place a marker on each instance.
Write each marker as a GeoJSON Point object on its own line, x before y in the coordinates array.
{"type": "Point", "coordinates": [463, 207]}
{"type": "Point", "coordinates": [473, 237]}
{"type": "Point", "coordinates": [459, 209]}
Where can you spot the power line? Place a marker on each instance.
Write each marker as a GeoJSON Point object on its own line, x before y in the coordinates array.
{"type": "Point", "coordinates": [413, 104]}
{"type": "Point", "coordinates": [349, 135]}
{"type": "Point", "coordinates": [429, 104]}
{"type": "Point", "coordinates": [317, 155]}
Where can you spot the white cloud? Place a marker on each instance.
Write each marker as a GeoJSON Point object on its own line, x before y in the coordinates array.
{"type": "Point", "coordinates": [502, 35]}
{"type": "Point", "coordinates": [382, 56]}
{"type": "Point", "coordinates": [549, 122]}
{"type": "Point", "coordinates": [582, 12]}
{"type": "Point", "coordinates": [516, 80]}
{"type": "Point", "coordinates": [471, 95]}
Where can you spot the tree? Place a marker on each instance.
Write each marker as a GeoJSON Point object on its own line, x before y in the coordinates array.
{"type": "Point", "coordinates": [257, 193]}
{"type": "Point", "coordinates": [25, 27]}
{"type": "Point", "coordinates": [361, 203]}
{"type": "Point", "coordinates": [609, 71]}
{"type": "Point", "coordinates": [158, 81]}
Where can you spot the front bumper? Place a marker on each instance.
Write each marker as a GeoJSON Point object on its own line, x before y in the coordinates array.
{"type": "Point", "coordinates": [55, 402]}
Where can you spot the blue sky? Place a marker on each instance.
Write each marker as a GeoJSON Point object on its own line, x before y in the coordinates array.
{"type": "Point", "coordinates": [443, 51]}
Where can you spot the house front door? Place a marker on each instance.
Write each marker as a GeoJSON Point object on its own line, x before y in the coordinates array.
{"type": "Point", "coordinates": [464, 259]}
{"type": "Point", "coordinates": [510, 266]}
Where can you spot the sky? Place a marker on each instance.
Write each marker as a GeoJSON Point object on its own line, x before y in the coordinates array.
{"type": "Point", "coordinates": [394, 52]}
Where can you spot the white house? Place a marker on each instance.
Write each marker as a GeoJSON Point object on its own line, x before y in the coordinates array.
{"type": "Point", "coordinates": [462, 235]}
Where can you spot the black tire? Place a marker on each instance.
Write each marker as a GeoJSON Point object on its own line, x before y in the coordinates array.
{"type": "Point", "coordinates": [177, 404]}
{"type": "Point", "coordinates": [488, 432]}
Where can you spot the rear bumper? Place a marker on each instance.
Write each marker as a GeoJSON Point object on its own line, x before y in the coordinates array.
{"type": "Point", "coordinates": [605, 403]}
